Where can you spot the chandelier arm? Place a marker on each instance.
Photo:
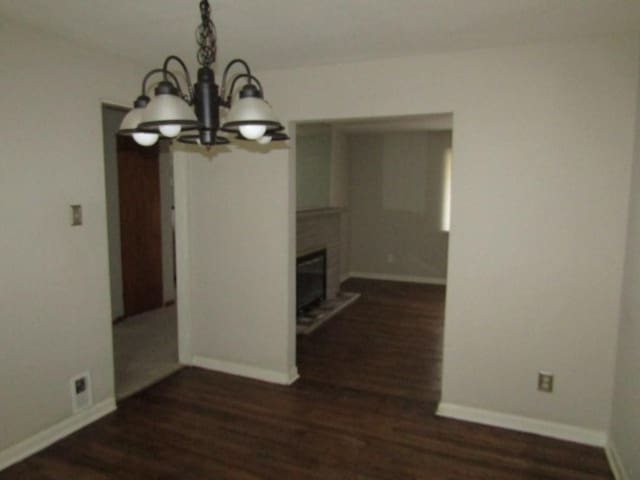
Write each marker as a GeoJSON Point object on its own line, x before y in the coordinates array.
{"type": "Point", "coordinates": [228, 67]}
{"type": "Point", "coordinates": [159, 70]}
{"type": "Point", "coordinates": [167, 109]}
{"type": "Point", "coordinates": [165, 69]}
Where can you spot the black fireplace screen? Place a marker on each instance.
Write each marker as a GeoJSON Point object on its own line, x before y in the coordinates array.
{"type": "Point", "coordinates": [311, 280]}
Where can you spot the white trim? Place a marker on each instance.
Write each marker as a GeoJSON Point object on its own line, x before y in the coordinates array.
{"type": "Point", "coordinates": [181, 201]}
{"type": "Point", "coordinates": [249, 371]}
{"type": "Point", "coordinates": [291, 254]}
{"type": "Point", "coordinates": [108, 102]}
{"type": "Point", "coordinates": [399, 278]}
{"type": "Point", "coordinates": [293, 375]}
{"type": "Point", "coordinates": [43, 439]}
{"type": "Point", "coordinates": [561, 431]}
{"type": "Point", "coordinates": [615, 462]}
{"type": "Point", "coordinates": [345, 276]}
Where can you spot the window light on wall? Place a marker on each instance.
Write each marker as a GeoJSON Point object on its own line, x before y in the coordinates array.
{"type": "Point", "coordinates": [446, 191]}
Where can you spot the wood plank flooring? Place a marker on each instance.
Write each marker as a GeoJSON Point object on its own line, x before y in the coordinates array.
{"type": "Point", "coordinates": [363, 409]}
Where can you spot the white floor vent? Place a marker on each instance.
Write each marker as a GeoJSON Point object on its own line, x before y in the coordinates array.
{"type": "Point", "coordinates": [81, 397]}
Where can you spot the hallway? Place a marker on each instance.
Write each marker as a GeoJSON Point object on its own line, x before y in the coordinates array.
{"type": "Point", "coordinates": [145, 350]}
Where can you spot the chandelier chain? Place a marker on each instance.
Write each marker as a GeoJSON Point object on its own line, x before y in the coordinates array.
{"type": "Point", "coordinates": [206, 36]}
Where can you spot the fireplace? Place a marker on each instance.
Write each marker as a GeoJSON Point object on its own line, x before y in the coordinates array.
{"type": "Point", "coordinates": [311, 280]}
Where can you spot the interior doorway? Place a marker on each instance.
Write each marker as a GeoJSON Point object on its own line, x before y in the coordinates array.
{"type": "Point", "coordinates": [140, 222]}
{"type": "Point", "coordinates": [140, 226]}
{"type": "Point", "coordinates": [375, 194]}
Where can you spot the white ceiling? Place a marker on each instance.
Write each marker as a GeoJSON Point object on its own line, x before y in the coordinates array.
{"type": "Point", "coordinates": [286, 33]}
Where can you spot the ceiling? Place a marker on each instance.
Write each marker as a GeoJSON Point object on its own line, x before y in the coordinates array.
{"type": "Point", "coordinates": [289, 33]}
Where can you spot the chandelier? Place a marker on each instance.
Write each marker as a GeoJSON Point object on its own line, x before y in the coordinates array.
{"type": "Point", "coordinates": [193, 114]}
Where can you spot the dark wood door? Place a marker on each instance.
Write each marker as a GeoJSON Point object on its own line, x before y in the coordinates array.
{"type": "Point", "coordinates": [140, 228]}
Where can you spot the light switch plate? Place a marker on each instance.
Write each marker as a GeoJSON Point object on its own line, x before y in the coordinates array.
{"type": "Point", "coordinates": [545, 381]}
{"type": "Point", "coordinates": [76, 215]}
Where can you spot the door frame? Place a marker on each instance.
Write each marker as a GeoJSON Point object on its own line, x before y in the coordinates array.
{"type": "Point", "coordinates": [142, 225]}
{"type": "Point", "coordinates": [181, 187]}
{"type": "Point", "coordinates": [181, 176]}
{"type": "Point", "coordinates": [292, 213]}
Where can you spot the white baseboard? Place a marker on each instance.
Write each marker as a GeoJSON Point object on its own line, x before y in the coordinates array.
{"type": "Point", "coordinates": [43, 439]}
{"type": "Point", "coordinates": [398, 278]}
{"type": "Point", "coordinates": [249, 371]}
{"type": "Point", "coordinates": [293, 376]}
{"type": "Point", "coordinates": [523, 424]}
{"type": "Point", "coordinates": [615, 462]}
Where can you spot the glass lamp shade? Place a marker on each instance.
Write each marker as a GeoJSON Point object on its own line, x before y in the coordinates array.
{"type": "Point", "coordinates": [130, 126]}
{"type": "Point", "coordinates": [171, 113]}
{"type": "Point", "coordinates": [252, 113]}
{"type": "Point", "coordinates": [131, 121]}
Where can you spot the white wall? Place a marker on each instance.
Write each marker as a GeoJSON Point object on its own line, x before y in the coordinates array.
{"type": "Point", "coordinates": [313, 169]}
{"type": "Point", "coordinates": [625, 422]}
{"type": "Point", "coordinates": [543, 145]}
{"type": "Point", "coordinates": [239, 233]}
{"type": "Point", "coordinates": [54, 278]}
{"type": "Point", "coordinates": [339, 193]}
{"type": "Point", "coordinates": [396, 200]}
{"type": "Point", "coordinates": [339, 185]}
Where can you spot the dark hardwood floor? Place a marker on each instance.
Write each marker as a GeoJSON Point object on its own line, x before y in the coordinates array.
{"type": "Point", "coordinates": [388, 343]}
{"type": "Point", "coordinates": [363, 409]}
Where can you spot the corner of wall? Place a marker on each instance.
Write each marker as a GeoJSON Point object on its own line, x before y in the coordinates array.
{"type": "Point", "coordinates": [523, 424]}
{"type": "Point", "coordinates": [181, 189]}
{"type": "Point", "coordinates": [615, 462]}
{"type": "Point", "coordinates": [60, 430]}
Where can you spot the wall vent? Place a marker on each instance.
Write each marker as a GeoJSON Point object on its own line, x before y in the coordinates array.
{"type": "Point", "coordinates": [81, 396]}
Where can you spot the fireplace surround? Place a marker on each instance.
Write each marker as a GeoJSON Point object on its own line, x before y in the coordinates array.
{"type": "Point", "coordinates": [316, 230]}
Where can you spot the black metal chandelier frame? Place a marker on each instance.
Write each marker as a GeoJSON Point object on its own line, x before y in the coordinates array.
{"type": "Point", "coordinates": [249, 116]}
